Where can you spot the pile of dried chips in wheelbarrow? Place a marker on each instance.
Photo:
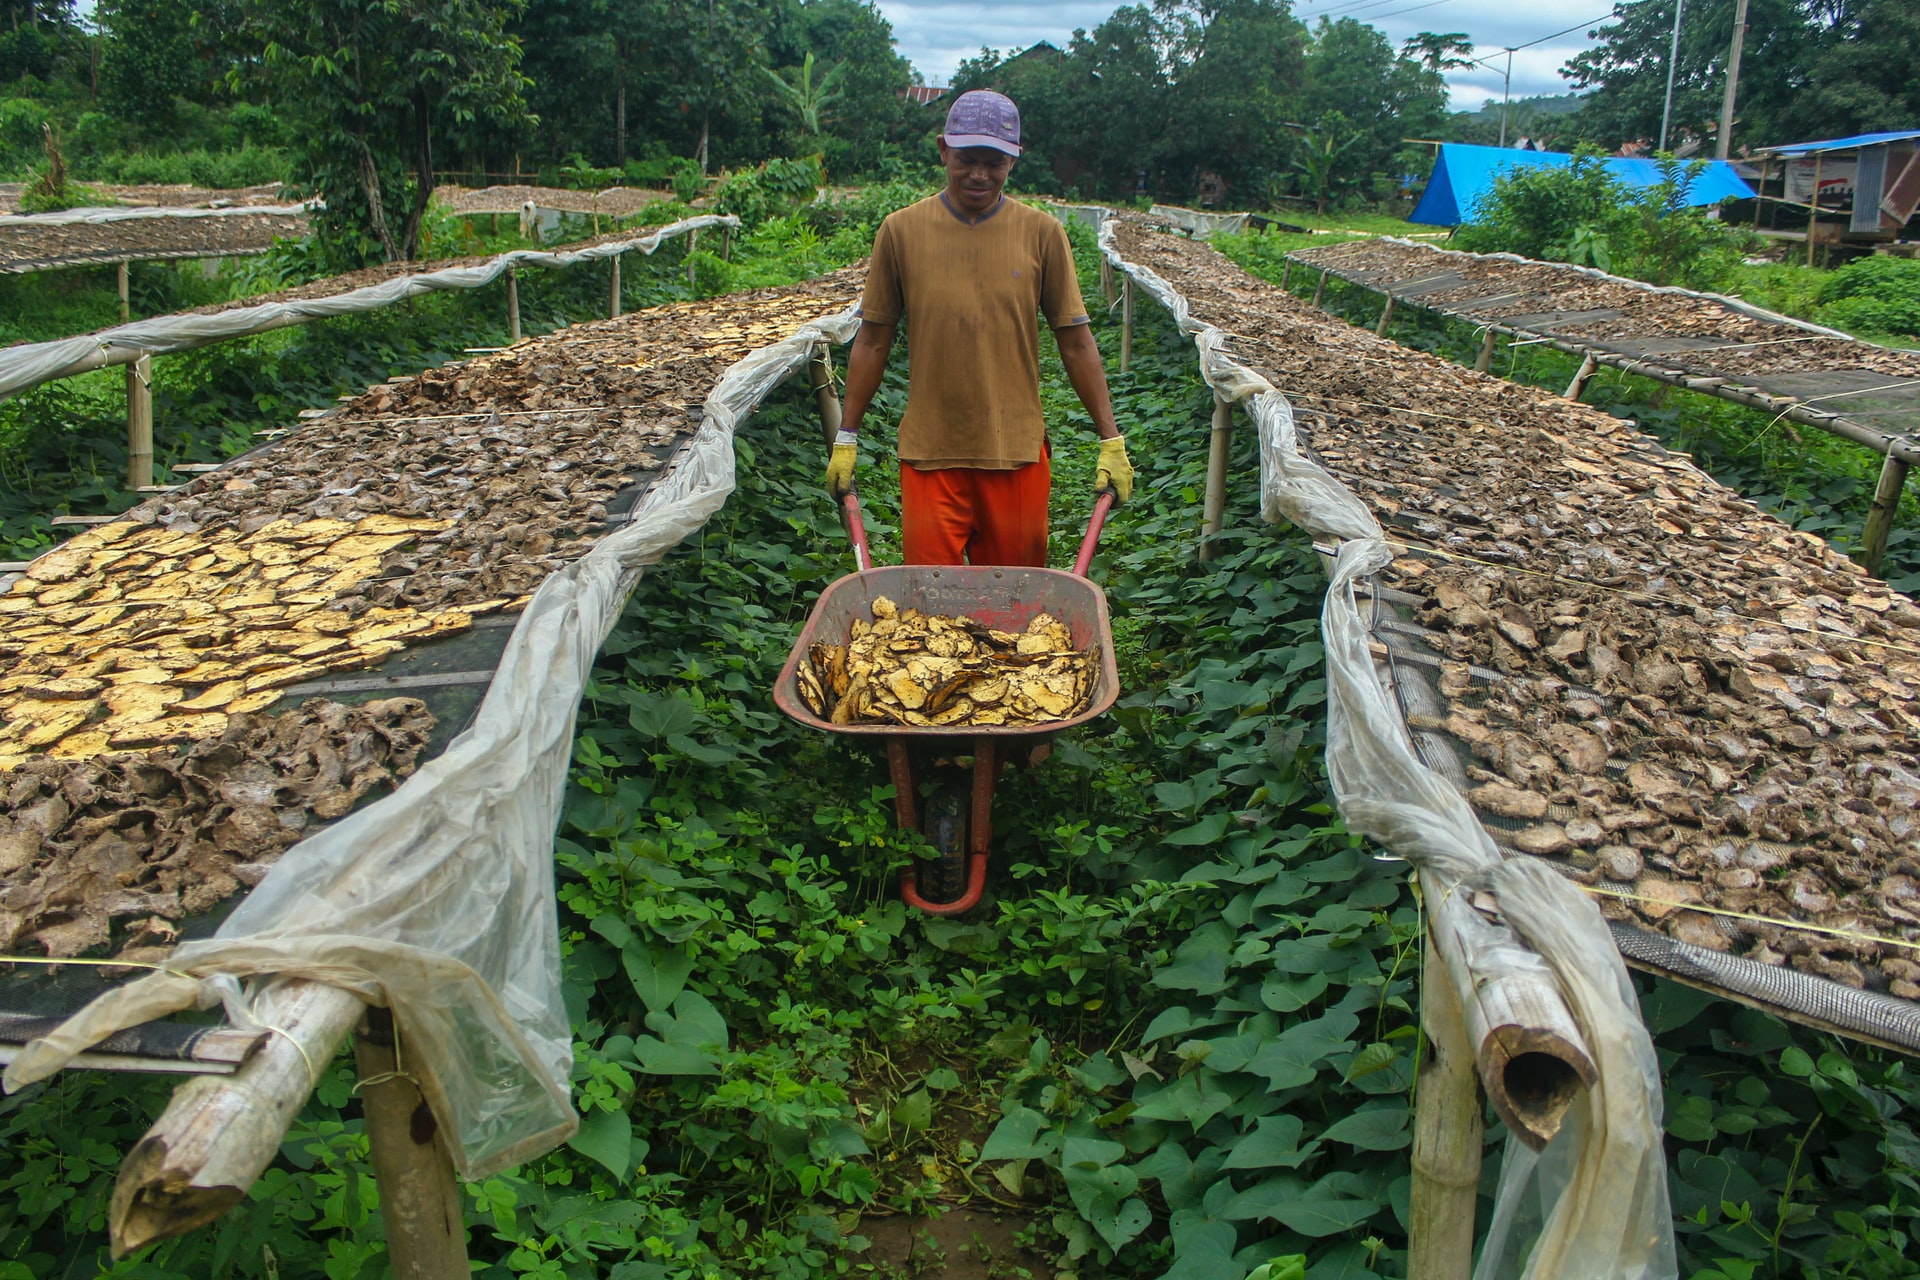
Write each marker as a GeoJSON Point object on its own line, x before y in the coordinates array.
{"type": "Point", "coordinates": [933, 671]}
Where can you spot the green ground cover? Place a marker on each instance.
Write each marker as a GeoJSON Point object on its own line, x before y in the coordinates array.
{"type": "Point", "coordinates": [1809, 479]}
{"type": "Point", "coordinates": [1178, 1040]}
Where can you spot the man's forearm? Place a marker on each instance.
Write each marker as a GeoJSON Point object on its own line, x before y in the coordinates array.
{"type": "Point", "coordinates": [1081, 356]}
{"type": "Point", "coordinates": [866, 365]}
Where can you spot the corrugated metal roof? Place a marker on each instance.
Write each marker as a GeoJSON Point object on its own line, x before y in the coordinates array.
{"type": "Point", "coordinates": [1840, 144]}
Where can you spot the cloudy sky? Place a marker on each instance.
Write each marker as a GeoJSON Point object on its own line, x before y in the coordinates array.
{"type": "Point", "coordinates": [937, 34]}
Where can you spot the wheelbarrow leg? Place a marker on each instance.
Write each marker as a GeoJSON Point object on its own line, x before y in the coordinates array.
{"type": "Point", "coordinates": [906, 810]}
{"type": "Point", "coordinates": [986, 767]}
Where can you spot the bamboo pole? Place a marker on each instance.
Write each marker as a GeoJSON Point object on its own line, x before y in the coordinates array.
{"type": "Point", "coordinates": [419, 1195]}
{"type": "Point", "coordinates": [1286, 273]}
{"type": "Point", "coordinates": [140, 423]}
{"type": "Point", "coordinates": [1448, 1133]}
{"type": "Point", "coordinates": [1126, 324]}
{"type": "Point", "coordinates": [1214, 509]}
{"type": "Point", "coordinates": [726, 244]}
{"type": "Point", "coordinates": [513, 305]}
{"type": "Point", "coordinates": [1484, 361]}
{"type": "Point", "coordinates": [1886, 503]}
{"type": "Point", "coordinates": [1528, 1050]}
{"type": "Point", "coordinates": [1386, 318]}
{"type": "Point", "coordinates": [126, 305]}
{"type": "Point", "coordinates": [220, 1132]}
{"type": "Point", "coordinates": [693, 242]}
{"type": "Point", "coordinates": [1760, 192]}
{"type": "Point", "coordinates": [613, 290]}
{"type": "Point", "coordinates": [1579, 384]}
{"type": "Point", "coordinates": [1106, 279]}
{"type": "Point", "coordinates": [1813, 205]}
{"type": "Point", "coordinates": [820, 376]}
{"type": "Point", "coordinates": [1320, 288]}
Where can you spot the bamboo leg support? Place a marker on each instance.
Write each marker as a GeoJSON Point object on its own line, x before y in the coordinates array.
{"type": "Point", "coordinates": [1448, 1133]}
{"type": "Point", "coordinates": [1886, 504]}
{"type": "Point", "coordinates": [1579, 383]}
{"type": "Point", "coordinates": [1126, 324]}
{"type": "Point", "coordinates": [1286, 273]}
{"type": "Point", "coordinates": [1320, 289]}
{"type": "Point", "coordinates": [513, 306]}
{"type": "Point", "coordinates": [1106, 279]}
{"type": "Point", "coordinates": [1214, 510]}
{"type": "Point", "coordinates": [126, 306]}
{"type": "Point", "coordinates": [613, 291]}
{"type": "Point", "coordinates": [726, 244]}
{"type": "Point", "coordinates": [693, 242]}
{"type": "Point", "coordinates": [140, 424]}
{"type": "Point", "coordinates": [1813, 205]}
{"type": "Point", "coordinates": [1386, 318]}
{"type": "Point", "coordinates": [820, 376]}
{"type": "Point", "coordinates": [419, 1196]}
{"type": "Point", "coordinates": [220, 1132]}
{"type": "Point", "coordinates": [1484, 361]}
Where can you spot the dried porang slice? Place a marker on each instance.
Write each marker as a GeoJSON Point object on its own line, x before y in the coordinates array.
{"type": "Point", "coordinates": [937, 671]}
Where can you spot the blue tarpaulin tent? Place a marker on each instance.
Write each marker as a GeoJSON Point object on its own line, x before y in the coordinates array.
{"type": "Point", "coordinates": [1463, 173]}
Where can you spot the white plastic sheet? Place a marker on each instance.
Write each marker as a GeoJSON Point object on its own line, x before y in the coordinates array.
{"type": "Point", "coordinates": [1593, 1205]}
{"type": "Point", "coordinates": [31, 364]}
{"type": "Point", "coordinates": [438, 900]}
{"type": "Point", "coordinates": [96, 216]}
{"type": "Point", "coordinates": [1198, 223]}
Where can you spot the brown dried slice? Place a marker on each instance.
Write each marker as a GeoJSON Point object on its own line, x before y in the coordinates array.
{"type": "Point", "coordinates": [810, 691]}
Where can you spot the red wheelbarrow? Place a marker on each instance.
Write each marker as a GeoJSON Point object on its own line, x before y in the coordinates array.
{"type": "Point", "coordinates": [957, 818]}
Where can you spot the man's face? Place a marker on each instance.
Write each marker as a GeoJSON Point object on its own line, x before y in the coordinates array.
{"type": "Point", "coordinates": [975, 177]}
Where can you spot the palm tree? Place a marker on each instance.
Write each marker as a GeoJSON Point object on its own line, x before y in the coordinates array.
{"type": "Point", "coordinates": [805, 98]}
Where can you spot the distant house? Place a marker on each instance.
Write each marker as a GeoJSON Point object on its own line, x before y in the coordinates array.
{"type": "Point", "coordinates": [924, 95]}
{"type": "Point", "coordinates": [1870, 179]}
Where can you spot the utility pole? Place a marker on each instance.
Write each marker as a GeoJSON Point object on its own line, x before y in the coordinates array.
{"type": "Point", "coordinates": [1725, 138]}
{"type": "Point", "coordinates": [1506, 93]}
{"type": "Point", "coordinates": [1673, 64]}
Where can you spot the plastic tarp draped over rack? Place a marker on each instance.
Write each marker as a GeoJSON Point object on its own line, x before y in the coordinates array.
{"type": "Point", "coordinates": [1594, 1203]}
{"type": "Point", "coordinates": [31, 364]}
{"type": "Point", "coordinates": [1197, 222]}
{"type": "Point", "coordinates": [94, 217]}
{"type": "Point", "coordinates": [438, 901]}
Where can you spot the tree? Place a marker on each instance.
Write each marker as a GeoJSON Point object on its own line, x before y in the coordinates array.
{"type": "Point", "coordinates": [157, 52]}
{"type": "Point", "coordinates": [1380, 95]}
{"type": "Point", "coordinates": [802, 95]}
{"type": "Point", "coordinates": [1866, 77]}
{"type": "Point", "coordinates": [1440, 53]}
{"type": "Point", "coordinates": [1627, 71]}
{"type": "Point", "coordinates": [366, 84]}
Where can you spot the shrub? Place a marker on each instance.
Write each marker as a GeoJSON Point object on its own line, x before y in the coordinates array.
{"type": "Point", "coordinates": [1876, 295]}
{"type": "Point", "coordinates": [1582, 214]}
{"type": "Point", "coordinates": [777, 187]}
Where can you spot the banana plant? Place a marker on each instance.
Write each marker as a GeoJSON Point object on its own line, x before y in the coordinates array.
{"type": "Point", "coordinates": [805, 98]}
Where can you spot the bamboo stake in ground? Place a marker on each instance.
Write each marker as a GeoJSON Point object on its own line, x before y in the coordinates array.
{"type": "Point", "coordinates": [140, 423]}
{"type": "Point", "coordinates": [820, 377]}
{"type": "Point", "coordinates": [1126, 324]}
{"type": "Point", "coordinates": [1886, 501]}
{"type": "Point", "coordinates": [613, 291]}
{"type": "Point", "coordinates": [1320, 288]}
{"type": "Point", "coordinates": [419, 1195]}
{"type": "Point", "coordinates": [1579, 383]}
{"type": "Point", "coordinates": [1448, 1132]}
{"type": "Point", "coordinates": [1484, 361]}
{"type": "Point", "coordinates": [1106, 279]}
{"type": "Point", "coordinates": [126, 308]}
{"type": "Point", "coordinates": [220, 1132]}
{"type": "Point", "coordinates": [513, 306]}
{"type": "Point", "coordinates": [1386, 318]}
{"type": "Point", "coordinates": [1213, 511]}
{"type": "Point", "coordinates": [1286, 272]}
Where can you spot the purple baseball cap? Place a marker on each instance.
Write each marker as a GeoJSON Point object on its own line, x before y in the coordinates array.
{"type": "Point", "coordinates": [983, 118]}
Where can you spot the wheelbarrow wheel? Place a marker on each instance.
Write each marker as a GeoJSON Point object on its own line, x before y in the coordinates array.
{"type": "Point", "coordinates": [943, 877]}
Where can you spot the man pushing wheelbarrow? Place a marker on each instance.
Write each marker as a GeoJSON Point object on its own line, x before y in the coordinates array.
{"type": "Point", "coordinates": [995, 653]}
{"type": "Point", "coordinates": [970, 272]}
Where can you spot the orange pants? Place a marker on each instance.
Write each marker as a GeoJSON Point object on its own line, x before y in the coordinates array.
{"type": "Point", "coordinates": [963, 515]}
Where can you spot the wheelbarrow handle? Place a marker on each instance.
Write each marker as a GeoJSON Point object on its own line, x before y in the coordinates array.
{"type": "Point", "coordinates": [1102, 505]}
{"type": "Point", "coordinates": [856, 529]}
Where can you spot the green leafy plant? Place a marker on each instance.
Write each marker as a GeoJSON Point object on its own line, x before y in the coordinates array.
{"type": "Point", "coordinates": [1877, 295]}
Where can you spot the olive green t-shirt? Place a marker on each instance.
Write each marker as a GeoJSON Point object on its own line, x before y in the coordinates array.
{"type": "Point", "coordinates": [971, 296]}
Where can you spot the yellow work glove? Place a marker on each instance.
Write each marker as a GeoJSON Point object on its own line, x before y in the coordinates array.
{"type": "Point", "coordinates": [1114, 471]}
{"type": "Point", "coordinates": [840, 464]}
